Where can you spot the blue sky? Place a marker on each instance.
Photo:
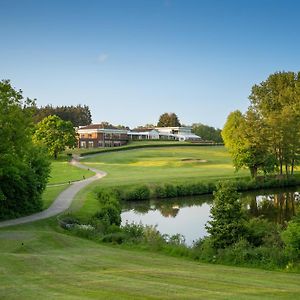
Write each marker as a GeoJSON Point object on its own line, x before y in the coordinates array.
{"type": "Point", "coordinates": [131, 61]}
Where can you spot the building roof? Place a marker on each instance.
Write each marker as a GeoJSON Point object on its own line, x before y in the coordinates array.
{"type": "Point", "coordinates": [98, 126]}
{"type": "Point", "coordinates": [143, 129]}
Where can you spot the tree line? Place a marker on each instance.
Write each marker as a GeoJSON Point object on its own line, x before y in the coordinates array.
{"type": "Point", "coordinates": [266, 138]}
{"type": "Point", "coordinates": [79, 115]}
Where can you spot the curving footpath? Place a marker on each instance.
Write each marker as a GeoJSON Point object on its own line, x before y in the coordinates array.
{"type": "Point", "coordinates": [62, 202]}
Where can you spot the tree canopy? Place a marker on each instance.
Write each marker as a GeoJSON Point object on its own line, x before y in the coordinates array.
{"type": "Point", "coordinates": [267, 136]}
{"type": "Point", "coordinates": [79, 115]}
{"type": "Point", "coordinates": [168, 120]}
{"type": "Point", "coordinates": [55, 134]}
{"type": "Point", "coordinates": [24, 167]}
{"type": "Point", "coordinates": [207, 133]}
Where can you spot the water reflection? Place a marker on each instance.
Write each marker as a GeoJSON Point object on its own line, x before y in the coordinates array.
{"type": "Point", "coordinates": [188, 216]}
{"type": "Point", "coordinates": [278, 207]}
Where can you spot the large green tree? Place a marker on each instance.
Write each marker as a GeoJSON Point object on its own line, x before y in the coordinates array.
{"type": "Point", "coordinates": [168, 120]}
{"type": "Point", "coordinates": [277, 101]}
{"type": "Point", "coordinates": [245, 138]}
{"type": "Point", "coordinates": [55, 134]}
{"type": "Point", "coordinates": [267, 136]}
{"type": "Point", "coordinates": [24, 167]}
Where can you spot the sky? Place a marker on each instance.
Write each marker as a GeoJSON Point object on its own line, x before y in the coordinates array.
{"type": "Point", "coordinates": [132, 60]}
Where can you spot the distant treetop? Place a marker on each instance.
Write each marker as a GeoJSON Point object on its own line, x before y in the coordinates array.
{"type": "Point", "coordinates": [168, 120]}
{"type": "Point", "coordinates": [79, 115]}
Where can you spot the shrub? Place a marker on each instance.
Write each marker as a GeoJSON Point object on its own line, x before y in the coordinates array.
{"type": "Point", "coordinates": [137, 193]}
{"type": "Point", "coordinates": [109, 214]}
{"type": "Point", "coordinates": [260, 231]}
{"type": "Point", "coordinates": [227, 224]}
{"type": "Point", "coordinates": [116, 238]}
{"type": "Point", "coordinates": [68, 221]}
{"type": "Point", "coordinates": [291, 239]}
{"type": "Point", "coordinates": [134, 232]}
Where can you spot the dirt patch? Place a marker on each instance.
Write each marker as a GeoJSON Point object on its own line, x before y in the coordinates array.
{"type": "Point", "coordinates": [198, 160]}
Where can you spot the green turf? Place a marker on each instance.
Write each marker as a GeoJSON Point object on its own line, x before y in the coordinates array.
{"type": "Point", "coordinates": [164, 165]}
{"type": "Point", "coordinates": [51, 265]}
{"type": "Point", "coordinates": [63, 172]}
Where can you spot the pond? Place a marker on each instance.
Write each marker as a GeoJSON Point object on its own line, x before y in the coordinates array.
{"type": "Point", "coordinates": [188, 216]}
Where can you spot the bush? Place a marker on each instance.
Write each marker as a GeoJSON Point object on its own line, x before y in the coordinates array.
{"type": "Point", "coordinates": [109, 215]}
{"type": "Point", "coordinates": [68, 221]}
{"type": "Point", "coordinates": [291, 239]}
{"type": "Point", "coordinates": [227, 224]}
{"type": "Point", "coordinates": [137, 193]}
{"type": "Point", "coordinates": [134, 232]}
{"type": "Point", "coordinates": [116, 238]}
{"type": "Point", "coordinates": [260, 231]}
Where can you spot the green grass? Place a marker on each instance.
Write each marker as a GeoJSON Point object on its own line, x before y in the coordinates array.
{"type": "Point", "coordinates": [51, 265]}
{"type": "Point", "coordinates": [164, 165]}
{"type": "Point", "coordinates": [63, 172]}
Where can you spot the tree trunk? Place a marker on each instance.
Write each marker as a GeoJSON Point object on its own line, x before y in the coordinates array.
{"type": "Point", "coordinates": [253, 171]}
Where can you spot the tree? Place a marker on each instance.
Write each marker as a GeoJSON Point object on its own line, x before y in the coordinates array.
{"type": "Point", "coordinates": [277, 102]}
{"type": "Point", "coordinates": [168, 120]}
{"type": "Point", "coordinates": [79, 115]}
{"type": "Point", "coordinates": [207, 133]}
{"type": "Point", "coordinates": [24, 167]}
{"type": "Point", "coordinates": [227, 223]}
{"type": "Point", "coordinates": [244, 136]}
{"type": "Point", "coordinates": [55, 134]}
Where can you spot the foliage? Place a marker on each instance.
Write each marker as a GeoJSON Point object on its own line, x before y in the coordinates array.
{"type": "Point", "coordinates": [168, 120]}
{"type": "Point", "coordinates": [267, 136]}
{"type": "Point", "coordinates": [245, 138]}
{"type": "Point", "coordinates": [227, 224]}
{"type": "Point", "coordinates": [207, 133]}
{"type": "Point", "coordinates": [79, 115]}
{"type": "Point", "coordinates": [110, 209]}
{"type": "Point", "coordinates": [24, 167]}
{"type": "Point", "coordinates": [291, 238]}
{"type": "Point", "coordinates": [55, 134]}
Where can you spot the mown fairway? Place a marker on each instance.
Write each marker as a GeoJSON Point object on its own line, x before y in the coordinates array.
{"type": "Point", "coordinates": [52, 265]}
{"type": "Point", "coordinates": [169, 164]}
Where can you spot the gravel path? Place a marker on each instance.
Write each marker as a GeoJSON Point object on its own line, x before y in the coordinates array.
{"type": "Point", "coordinates": [62, 202]}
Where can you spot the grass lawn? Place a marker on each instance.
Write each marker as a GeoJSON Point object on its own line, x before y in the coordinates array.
{"type": "Point", "coordinates": [153, 165]}
{"type": "Point", "coordinates": [63, 172]}
{"type": "Point", "coordinates": [51, 265]}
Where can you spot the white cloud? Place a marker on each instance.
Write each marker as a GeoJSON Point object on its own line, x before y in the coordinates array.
{"type": "Point", "coordinates": [102, 57]}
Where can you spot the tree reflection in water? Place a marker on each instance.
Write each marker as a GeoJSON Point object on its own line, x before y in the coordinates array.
{"type": "Point", "coordinates": [278, 207]}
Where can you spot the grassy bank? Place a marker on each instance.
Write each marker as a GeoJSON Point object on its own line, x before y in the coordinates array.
{"type": "Point", "coordinates": [37, 262]}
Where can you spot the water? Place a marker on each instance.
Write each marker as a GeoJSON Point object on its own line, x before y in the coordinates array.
{"type": "Point", "coordinates": [188, 216]}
